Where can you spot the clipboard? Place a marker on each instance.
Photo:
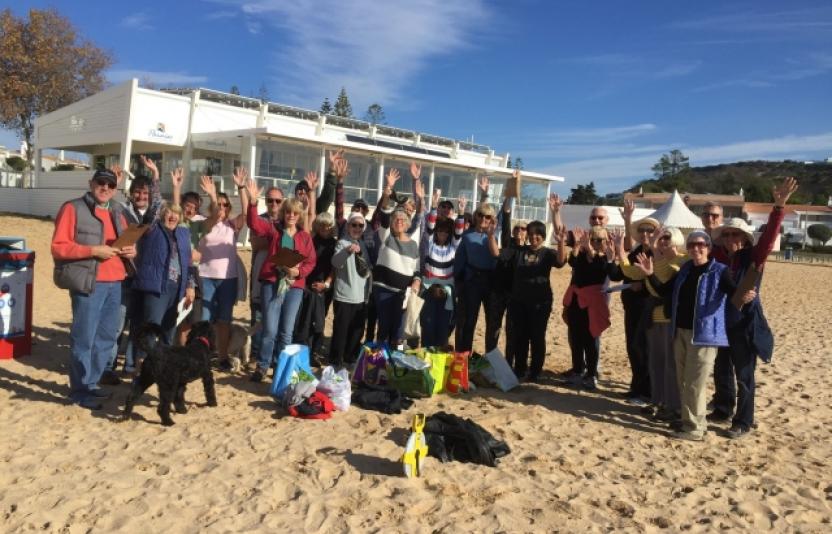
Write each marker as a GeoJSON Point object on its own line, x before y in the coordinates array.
{"type": "Point", "coordinates": [130, 236]}
{"type": "Point", "coordinates": [183, 311]}
{"type": "Point", "coordinates": [286, 257]}
{"type": "Point", "coordinates": [615, 289]}
{"type": "Point", "coordinates": [749, 281]}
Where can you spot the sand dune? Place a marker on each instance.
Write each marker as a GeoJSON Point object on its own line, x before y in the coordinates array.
{"type": "Point", "coordinates": [580, 461]}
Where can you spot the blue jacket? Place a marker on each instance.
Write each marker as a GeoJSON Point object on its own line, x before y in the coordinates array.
{"type": "Point", "coordinates": [153, 260]}
{"type": "Point", "coordinates": [709, 312]}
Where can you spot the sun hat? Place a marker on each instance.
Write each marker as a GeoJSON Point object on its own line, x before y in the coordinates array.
{"type": "Point", "coordinates": [647, 220]}
{"type": "Point", "coordinates": [735, 223]}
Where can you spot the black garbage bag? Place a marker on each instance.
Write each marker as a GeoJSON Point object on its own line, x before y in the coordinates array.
{"type": "Point", "coordinates": [379, 398]}
{"type": "Point", "coordinates": [452, 438]}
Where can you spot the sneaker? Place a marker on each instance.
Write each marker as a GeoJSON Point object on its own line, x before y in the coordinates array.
{"type": "Point", "coordinates": [687, 436]}
{"type": "Point", "coordinates": [663, 414]}
{"type": "Point", "coordinates": [590, 383]}
{"type": "Point", "coordinates": [717, 416]}
{"type": "Point", "coordinates": [258, 375]}
{"type": "Point", "coordinates": [225, 365]}
{"type": "Point", "coordinates": [109, 378]}
{"type": "Point", "coordinates": [647, 410]}
{"type": "Point", "coordinates": [638, 401]}
{"type": "Point", "coordinates": [737, 432]}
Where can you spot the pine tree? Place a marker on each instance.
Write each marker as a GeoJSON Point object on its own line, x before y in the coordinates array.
{"type": "Point", "coordinates": [326, 107]}
{"type": "Point", "coordinates": [375, 115]}
{"type": "Point", "coordinates": [263, 93]}
{"type": "Point", "coordinates": [518, 164]}
{"type": "Point", "coordinates": [343, 108]}
{"type": "Point", "coordinates": [234, 90]}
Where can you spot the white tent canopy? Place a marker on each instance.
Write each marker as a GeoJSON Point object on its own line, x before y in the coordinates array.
{"type": "Point", "coordinates": [674, 212]}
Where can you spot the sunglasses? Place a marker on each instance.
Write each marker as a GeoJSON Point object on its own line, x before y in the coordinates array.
{"type": "Point", "coordinates": [596, 240]}
{"type": "Point", "coordinates": [646, 230]}
{"type": "Point", "coordinates": [224, 204]}
{"type": "Point", "coordinates": [102, 183]}
{"type": "Point", "coordinates": [274, 201]}
{"type": "Point", "coordinates": [664, 238]}
{"type": "Point", "coordinates": [712, 215]}
{"type": "Point", "coordinates": [521, 228]}
{"type": "Point", "coordinates": [484, 216]}
{"type": "Point", "coordinates": [697, 244]}
{"type": "Point", "coordinates": [596, 217]}
{"type": "Point", "coordinates": [356, 225]}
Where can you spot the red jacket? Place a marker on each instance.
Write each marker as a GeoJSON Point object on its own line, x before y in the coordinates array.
{"type": "Point", "coordinates": [594, 300]}
{"type": "Point", "coordinates": [64, 246]}
{"type": "Point", "coordinates": [303, 244]}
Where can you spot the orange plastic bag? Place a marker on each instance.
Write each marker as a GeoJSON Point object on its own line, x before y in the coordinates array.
{"type": "Point", "coordinates": [458, 374]}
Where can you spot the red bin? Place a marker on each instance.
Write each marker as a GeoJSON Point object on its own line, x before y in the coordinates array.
{"type": "Point", "coordinates": [17, 273]}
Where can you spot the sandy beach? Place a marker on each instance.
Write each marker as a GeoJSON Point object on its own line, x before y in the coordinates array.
{"type": "Point", "coordinates": [580, 461]}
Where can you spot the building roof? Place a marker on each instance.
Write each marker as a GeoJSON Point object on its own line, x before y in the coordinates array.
{"type": "Point", "coordinates": [765, 207]}
{"type": "Point", "coordinates": [692, 198]}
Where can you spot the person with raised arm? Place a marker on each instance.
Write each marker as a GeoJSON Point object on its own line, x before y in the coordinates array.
{"type": "Point", "coordinates": [698, 296]}
{"type": "Point", "coordinates": [93, 271]}
{"type": "Point", "coordinates": [749, 335]}
{"type": "Point", "coordinates": [585, 307]}
{"type": "Point", "coordinates": [162, 267]}
{"type": "Point", "coordinates": [397, 267]}
{"type": "Point", "coordinates": [219, 267]}
{"type": "Point", "coordinates": [440, 238]}
{"type": "Point", "coordinates": [281, 288]}
{"type": "Point", "coordinates": [531, 294]}
{"type": "Point", "coordinates": [474, 268]}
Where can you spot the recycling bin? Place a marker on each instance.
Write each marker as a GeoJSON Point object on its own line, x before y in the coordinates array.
{"type": "Point", "coordinates": [17, 273]}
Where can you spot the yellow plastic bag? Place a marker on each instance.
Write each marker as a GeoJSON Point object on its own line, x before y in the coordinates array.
{"type": "Point", "coordinates": [440, 368]}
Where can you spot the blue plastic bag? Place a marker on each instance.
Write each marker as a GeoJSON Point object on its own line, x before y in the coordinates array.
{"type": "Point", "coordinates": [293, 361]}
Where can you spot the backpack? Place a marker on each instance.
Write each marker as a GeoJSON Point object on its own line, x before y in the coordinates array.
{"type": "Point", "coordinates": [451, 438]}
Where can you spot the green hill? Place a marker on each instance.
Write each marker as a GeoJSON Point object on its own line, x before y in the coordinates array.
{"type": "Point", "coordinates": [755, 178]}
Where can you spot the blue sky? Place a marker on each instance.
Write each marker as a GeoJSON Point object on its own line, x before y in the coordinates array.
{"type": "Point", "coordinates": [590, 90]}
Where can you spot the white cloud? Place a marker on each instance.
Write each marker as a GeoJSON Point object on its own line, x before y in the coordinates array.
{"type": "Point", "coordinates": [798, 21]}
{"type": "Point", "coordinates": [374, 49]}
{"type": "Point", "coordinates": [137, 21]}
{"type": "Point", "coordinates": [157, 77]}
{"type": "Point", "coordinates": [614, 173]}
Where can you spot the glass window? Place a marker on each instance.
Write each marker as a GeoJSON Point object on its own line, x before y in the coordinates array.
{"type": "Point", "coordinates": [362, 181]}
{"type": "Point", "coordinates": [283, 164]}
{"type": "Point", "coordinates": [453, 183]}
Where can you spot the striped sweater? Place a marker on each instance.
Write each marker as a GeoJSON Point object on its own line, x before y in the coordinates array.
{"type": "Point", "coordinates": [398, 262]}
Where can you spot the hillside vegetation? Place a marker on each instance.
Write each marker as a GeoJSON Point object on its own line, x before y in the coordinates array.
{"type": "Point", "coordinates": [755, 178]}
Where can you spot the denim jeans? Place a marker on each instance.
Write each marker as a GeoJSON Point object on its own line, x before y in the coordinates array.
{"type": "Point", "coordinates": [92, 336]}
{"type": "Point", "coordinates": [436, 322]}
{"type": "Point", "coordinates": [218, 298]}
{"type": "Point", "coordinates": [279, 314]}
{"type": "Point", "coordinates": [161, 309]}
{"type": "Point", "coordinates": [735, 366]}
{"type": "Point", "coordinates": [389, 310]}
{"type": "Point", "coordinates": [478, 291]}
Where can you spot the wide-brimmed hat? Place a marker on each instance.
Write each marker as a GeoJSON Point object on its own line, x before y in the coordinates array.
{"type": "Point", "coordinates": [735, 223]}
{"type": "Point", "coordinates": [647, 220]}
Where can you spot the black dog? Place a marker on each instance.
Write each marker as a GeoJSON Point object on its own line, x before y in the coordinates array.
{"type": "Point", "coordinates": [171, 368]}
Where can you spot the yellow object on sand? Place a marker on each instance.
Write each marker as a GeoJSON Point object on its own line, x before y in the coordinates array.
{"type": "Point", "coordinates": [416, 448]}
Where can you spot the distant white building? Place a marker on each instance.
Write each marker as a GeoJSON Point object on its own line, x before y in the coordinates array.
{"type": "Point", "coordinates": [210, 133]}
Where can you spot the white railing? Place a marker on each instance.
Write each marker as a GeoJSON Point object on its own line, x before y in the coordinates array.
{"type": "Point", "coordinates": [11, 179]}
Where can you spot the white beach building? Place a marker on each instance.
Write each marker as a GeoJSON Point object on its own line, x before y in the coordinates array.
{"type": "Point", "coordinates": [211, 132]}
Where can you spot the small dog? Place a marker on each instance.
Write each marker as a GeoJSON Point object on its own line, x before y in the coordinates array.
{"type": "Point", "coordinates": [239, 344]}
{"type": "Point", "coordinates": [171, 368]}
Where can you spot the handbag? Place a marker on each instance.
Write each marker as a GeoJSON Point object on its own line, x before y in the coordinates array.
{"type": "Point", "coordinates": [410, 380]}
{"type": "Point", "coordinates": [411, 319]}
{"type": "Point", "coordinates": [371, 367]}
{"type": "Point", "coordinates": [440, 365]}
{"type": "Point", "coordinates": [458, 373]}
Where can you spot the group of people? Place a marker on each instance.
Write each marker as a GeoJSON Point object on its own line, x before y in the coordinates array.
{"type": "Point", "coordinates": [681, 311]}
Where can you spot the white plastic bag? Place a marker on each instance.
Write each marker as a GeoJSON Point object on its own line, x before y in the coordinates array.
{"type": "Point", "coordinates": [499, 372]}
{"type": "Point", "coordinates": [337, 387]}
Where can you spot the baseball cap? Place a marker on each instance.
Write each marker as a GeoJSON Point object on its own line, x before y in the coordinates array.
{"type": "Point", "coordinates": [105, 175]}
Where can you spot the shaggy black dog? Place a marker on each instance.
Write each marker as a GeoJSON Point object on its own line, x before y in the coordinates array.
{"type": "Point", "coordinates": [171, 368]}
